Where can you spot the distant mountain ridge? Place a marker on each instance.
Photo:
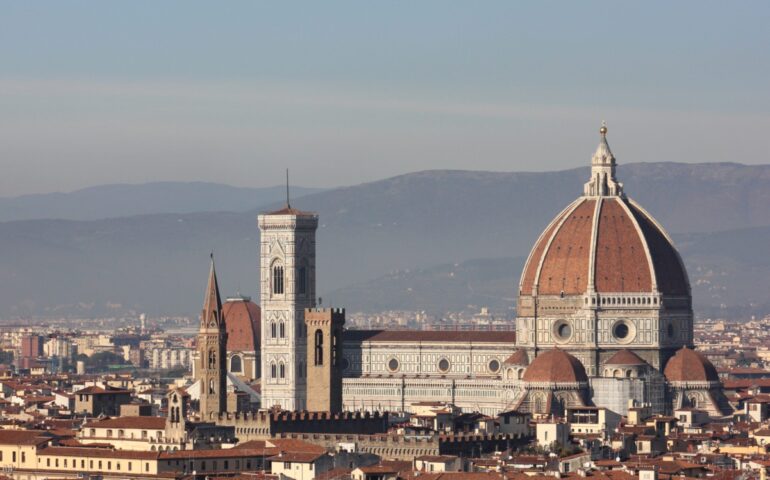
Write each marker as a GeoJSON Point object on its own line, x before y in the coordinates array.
{"type": "Point", "coordinates": [728, 273]}
{"type": "Point", "coordinates": [158, 263]}
{"type": "Point", "coordinates": [123, 200]}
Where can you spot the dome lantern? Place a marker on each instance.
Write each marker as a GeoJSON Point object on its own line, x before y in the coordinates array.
{"type": "Point", "coordinates": [603, 182]}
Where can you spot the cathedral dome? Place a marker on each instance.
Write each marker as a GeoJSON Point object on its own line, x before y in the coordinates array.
{"type": "Point", "coordinates": [604, 242]}
{"type": "Point", "coordinates": [555, 366]}
{"type": "Point", "coordinates": [687, 365]}
{"type": "Point", "coordinates": [242, 320]}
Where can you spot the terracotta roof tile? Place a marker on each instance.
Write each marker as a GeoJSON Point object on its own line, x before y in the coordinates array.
{"type": "Point", "coordinates": [149, 423]}
{"type": "Point", "coordinates": [555, 366]}
{"type": "Point", "coordinates": [428, 336]}
{"type": "Point", "coordinates": [687, 365]}
{"type": "Point", "coordinates": [242, 318]}
{"type": "Point", "coordinates": [625, 357]}
{"type": "Point", "coordinates": [519, 357]}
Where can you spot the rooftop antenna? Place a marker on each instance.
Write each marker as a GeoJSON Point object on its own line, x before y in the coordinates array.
{"type": "Point", "coordinates": [288, 205]}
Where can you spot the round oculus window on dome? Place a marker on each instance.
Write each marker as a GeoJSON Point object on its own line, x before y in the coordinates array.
{"type": "Point", "coordinates": [393, 365]}
{"type": "Point", "coordinates": [562, 331]}
{"type": "Point", "coordinates": [344, 363]}
{"type": "Point", "coordinates": [443, 365]}
{"type": "Point", "coordinates": [620, 331]}
{"type": "Point", "coordinates": [623, 331]}
{"type": "Point", "coordinates": [494, 366]}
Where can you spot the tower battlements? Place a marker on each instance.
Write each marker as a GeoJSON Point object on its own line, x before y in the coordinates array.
{"type": "Point", "coordinates": [263, 424]}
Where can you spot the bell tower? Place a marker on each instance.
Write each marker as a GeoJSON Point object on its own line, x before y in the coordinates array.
{"type": "Point", "coordinates": [212, 344]}
{"type": "Point", "coordinates": [287, 288]}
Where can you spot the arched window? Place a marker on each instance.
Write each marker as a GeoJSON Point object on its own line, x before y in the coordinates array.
{"type": "Point", "coordinates": [273, 371]}
{"type": "Point", "coordinates": [302, 280]}
{"type": "Point", "coordinates": [273, 330]}
{"type": "Point", "coordinates": [335, 347]}
{"type": "Point", "coordinates": [319, 347]}
{"type": "Point", "coordinates": [212, 390]}
{"type": "Point", "coordinates": [278, 280]}
{"type": "Point", "coordinates": [282, 370]}
{"type": "Point", "coordinates": [282, 330]}
{"type": "Point", "coordinates": [212, 359]}
{"type": "Point", "coordinates": [236, 364]}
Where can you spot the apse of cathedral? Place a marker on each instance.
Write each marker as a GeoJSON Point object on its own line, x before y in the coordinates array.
{"type": "Point", "coordinates": [604, 319]}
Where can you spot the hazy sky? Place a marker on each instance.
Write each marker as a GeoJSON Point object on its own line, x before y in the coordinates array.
{"type": "Point", "coordinates": [344, 92]}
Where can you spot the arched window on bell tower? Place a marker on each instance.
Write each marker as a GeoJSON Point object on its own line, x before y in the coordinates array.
{"type": "Point", "coordinates": [212, 359]}
{"type": "Point", "coordinates": [277, 279]}
{"type": "Point", "coordinates": [319, 347]}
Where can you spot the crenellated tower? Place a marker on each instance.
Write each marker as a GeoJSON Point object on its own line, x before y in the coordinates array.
{"type": "Point", "coordinates": [324, 359]}
{"type": "Point", "coordinates": [287, 288]}
{"type": "Point", "coordinates": [211, 370]}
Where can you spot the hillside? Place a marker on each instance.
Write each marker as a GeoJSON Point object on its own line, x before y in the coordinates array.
{"type": "Point", "coordinates": [728, 271]}
{"type": "Point", "coordinates": [110, 201]}
{"type": "Point", "coordinates": [157, 263]}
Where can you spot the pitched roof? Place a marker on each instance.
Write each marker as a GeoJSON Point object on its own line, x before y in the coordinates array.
{"type": "Point", "coordinates": [519, 357]}
{"type": "Point", "coordinates": [287, 210]}
{"type": "Point", "coordinates": [625, 357]}
{"type": "Point", "coordinates": [149, 423]}
{"type": "Point", "coordinates": [23, 437]}
{"type": "Point", "coordinates": [428, 336]}
{"type": "Point", "coordinates": [94, 390]}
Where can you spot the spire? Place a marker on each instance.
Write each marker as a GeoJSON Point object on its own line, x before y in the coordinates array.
{"type": "Point", "coordinates": [288, 203]}
{"type": "Point", "coordinates": [212, 303]}
{"type": "Point", "coordinates": [603, 182]}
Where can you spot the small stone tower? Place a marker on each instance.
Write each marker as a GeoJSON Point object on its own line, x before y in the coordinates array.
{"type": "Point", "coordinates": [212, 350]}
{"type": "Point", "coordinates": [176, 420]}
{"type": "Point", "coordinates": [324, 355]}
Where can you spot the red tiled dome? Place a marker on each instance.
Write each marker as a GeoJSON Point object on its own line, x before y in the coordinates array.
{"type": "Point", "coordinates": [605, 240]}
{"type": "Point", "coordinates": [242, 319]}
{"type": "Point", "coordinates": [625, 357]}
{"type": "Point", "coordinates": [555, 366]}
{"type": "Point", "coordinates": [687, 365]}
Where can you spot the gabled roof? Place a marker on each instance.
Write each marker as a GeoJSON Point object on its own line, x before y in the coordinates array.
{"type": "Point", "coordinates": [428, 336]}
{"type": "Point", "coordinates": [23, 437]}
{"type": "Point", "coordinates": [149, 423]}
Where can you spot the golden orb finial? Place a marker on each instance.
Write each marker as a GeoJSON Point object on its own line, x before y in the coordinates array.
{"type": "Point", "coordinates": [603, 130]}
